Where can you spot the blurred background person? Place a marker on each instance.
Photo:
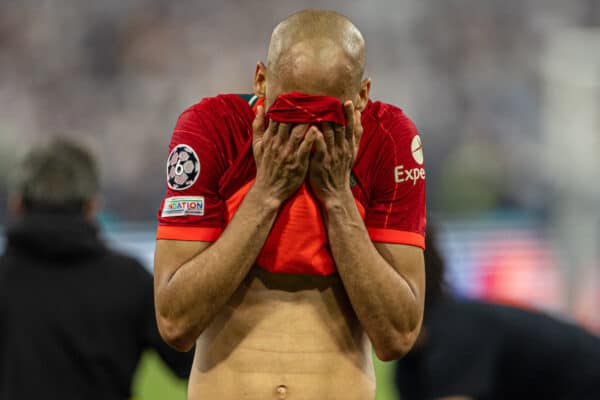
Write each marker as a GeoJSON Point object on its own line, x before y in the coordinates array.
{"type": "Point", "coordinates": [74, 315]}
{"type": "Point", "coordinates": [475, 350]}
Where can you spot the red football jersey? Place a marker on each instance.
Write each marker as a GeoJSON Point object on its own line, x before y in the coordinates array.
{"type": "Point", "coordinates": [211, 167]}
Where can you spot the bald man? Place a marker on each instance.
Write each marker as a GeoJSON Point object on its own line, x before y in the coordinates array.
{"type": "Point", "coordinates": [290, 241]}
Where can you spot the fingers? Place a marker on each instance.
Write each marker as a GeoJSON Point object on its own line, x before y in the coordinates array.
{"type": "Point", "coordinates": [320, 146]}
{"type": "Point", "coordinates": [358, 128]}
{"type": "Point", "coordinates": [334, 134]}
{"type": "Point", "coordinates": [306, 145]}
{"type": "Point", "coordinates": [329, 135]}
{"type": "Point", "coordinates": [350, 119]}
{"type": "Point", "coordinates": [271, 131]}
{"type": "Point", "coordinates": [282, 134]}
{"type": "Point", "coordinates": [297, 133]}
{"type": "Point", "coordinates": [258, 125]}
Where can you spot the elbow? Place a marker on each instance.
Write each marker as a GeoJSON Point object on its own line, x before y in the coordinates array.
{"type": "Point", "coordinates": [177, 334]}
{"type": "Point", "coordinates": [395, 346]}
{"type": "Point", "coordinates": [396, 341]}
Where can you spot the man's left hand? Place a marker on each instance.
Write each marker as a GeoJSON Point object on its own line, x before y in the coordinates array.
{"type": "Point", "coordinates": [335, 148]}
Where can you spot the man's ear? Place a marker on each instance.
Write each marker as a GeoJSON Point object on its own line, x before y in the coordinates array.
{"type": "Point", "coordinates": [363, 94]}
{"type": "Point", "coordinates": [260, 79]}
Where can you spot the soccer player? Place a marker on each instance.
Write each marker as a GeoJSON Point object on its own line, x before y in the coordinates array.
{"type": "Point", "coordinates": [470, 350]}
{"type": "Point", "coordinates": [290, 241]}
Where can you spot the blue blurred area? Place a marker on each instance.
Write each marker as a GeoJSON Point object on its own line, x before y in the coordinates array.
{"type": "Point", "coordinates": [504, 256]}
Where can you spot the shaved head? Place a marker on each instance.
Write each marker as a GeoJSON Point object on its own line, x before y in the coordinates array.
{"type": "Point", "coordinates": [316, 52]}
{"type": "Point", "coordinates": [320, 37]}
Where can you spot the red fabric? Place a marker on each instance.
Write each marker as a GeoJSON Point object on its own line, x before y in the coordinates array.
{"type": "Point", "coordinates": [260, 102]}
{"type": "Point", "coordinates": [297, 243]}
{"type": "Point", "coordinates": [389, 188]}
{"type": "Point", "coordinates": [297, 108]}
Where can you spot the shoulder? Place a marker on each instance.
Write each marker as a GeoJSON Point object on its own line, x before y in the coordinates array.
{"type": "Point", "coordinates": [223, 104]}
{"type": "Point", "coordinates": [388, 131]}
{"type": "Point", "coordinates": [212, 130]}
{"type": "Point", "coordinates": [391, 120]}
{"type": "Point", "coordinates": [391, 139]}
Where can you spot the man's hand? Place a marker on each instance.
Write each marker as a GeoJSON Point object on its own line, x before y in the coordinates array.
{"type": "Point", "coordinates": [282, 154]}
{"type": "Point", "coordinates": [193, 280]}
{"type": "Point", "coordinates": [384, 282]}
{"type": "Point", "coordinates": [335, 152]}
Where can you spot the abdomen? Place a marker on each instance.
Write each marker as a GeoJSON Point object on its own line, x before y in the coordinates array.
{"type": "Point", "coordinates": [284, 336]}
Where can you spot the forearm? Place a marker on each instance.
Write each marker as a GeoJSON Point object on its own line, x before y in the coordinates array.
{"type": "Point", "coordinates": [387, 305]}
{"type": "Point", "coordinates": [197, 290]}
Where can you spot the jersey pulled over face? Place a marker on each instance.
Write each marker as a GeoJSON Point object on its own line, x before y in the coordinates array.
{"type": "Point", "coordinates": [211, 167]}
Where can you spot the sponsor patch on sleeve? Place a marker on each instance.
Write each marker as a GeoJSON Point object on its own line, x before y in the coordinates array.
{"type": "Point", "coordinates": [179, 206]}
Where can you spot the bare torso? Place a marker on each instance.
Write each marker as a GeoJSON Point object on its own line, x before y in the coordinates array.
{"type": "Point", "coordinates": [284, 337]}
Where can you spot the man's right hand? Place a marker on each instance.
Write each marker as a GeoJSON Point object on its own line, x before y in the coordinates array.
{"type": "Point", "coordinates": [282, 154]}
{"type": "Point", "coordinates": [193, 280]}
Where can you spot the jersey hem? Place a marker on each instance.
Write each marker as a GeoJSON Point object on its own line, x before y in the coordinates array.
{"type": "Point", "coordinates": [188, 233]}
{"type": "Point", "coordinates": [396, 237]}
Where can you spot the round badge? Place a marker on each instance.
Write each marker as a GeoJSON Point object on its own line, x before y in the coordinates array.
{"type": "Point", "coordinates": [183, 167]}
{"type": "Point", "coordinates": [417, 149]}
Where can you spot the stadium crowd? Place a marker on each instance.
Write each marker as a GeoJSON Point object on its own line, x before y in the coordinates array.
{"type": "Point", "coordinates": [116, 74]}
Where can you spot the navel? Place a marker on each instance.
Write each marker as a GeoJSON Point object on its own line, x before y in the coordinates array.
{"type": "Point", "coordinates": [282, 392]}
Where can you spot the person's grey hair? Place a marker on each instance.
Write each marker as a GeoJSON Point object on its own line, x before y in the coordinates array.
{"type": "Point", "coordinates": [60, 176]}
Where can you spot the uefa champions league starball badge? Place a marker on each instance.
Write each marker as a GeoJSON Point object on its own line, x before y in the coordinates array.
{"type": "Point", "coordinates": [183, 167]}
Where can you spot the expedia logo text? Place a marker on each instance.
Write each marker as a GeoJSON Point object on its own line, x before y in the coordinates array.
{"type": "Point", "coordinates": [407, 175]}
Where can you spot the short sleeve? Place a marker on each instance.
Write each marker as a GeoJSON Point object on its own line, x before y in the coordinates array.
{"type": "Point", "coordinates": [396, 212]}
{"type": "Point", "coordinates": [192, 208]}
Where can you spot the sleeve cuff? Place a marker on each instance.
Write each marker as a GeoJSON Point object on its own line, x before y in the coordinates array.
{"type": "Point", "coordinates": [191, 233]}
{"type": "Point", "coordinates": [397, 237]}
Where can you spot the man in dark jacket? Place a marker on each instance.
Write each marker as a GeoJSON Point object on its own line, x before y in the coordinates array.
{"type": "Point", "coordinates": [473, 350]}
{"type": "Point", "coordinates": [74, 316]}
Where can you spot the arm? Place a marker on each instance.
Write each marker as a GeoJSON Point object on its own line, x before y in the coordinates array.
{"type": "Point", "coordinates": [193, 280]}
{"type": "Point", "coordinates": [384, 282]}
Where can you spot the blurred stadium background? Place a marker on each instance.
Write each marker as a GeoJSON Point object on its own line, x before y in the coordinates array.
{"type": "Point", "coordinates": [506, 95]}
